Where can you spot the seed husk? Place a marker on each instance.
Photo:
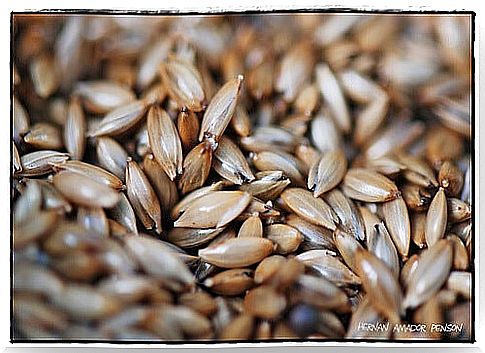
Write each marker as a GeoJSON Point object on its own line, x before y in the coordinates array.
{"type": "Point", "coordinates": [75, 130]}
{"type": "Point", "coordinates": [229, 162]}
{"type": "Point", "coordinates": [101, 97]}
{"type": "Point", "coordinates": [196, 167]}
{"type": "Point", "coordinates": [268, 161]}
{"type": "Point", "coordinates": [380, 284]}
{"type": "Point", "coordinates": [183, 83]}
{"type": "Point", "coordinates": [264, 302]}
{"type": "Point", "coordinates": [111, 156]}
{"type": "Point", "coordinates": [220, 109]}
{"type": "Point", "coordinates": [368, 186]}
{"type": "Point", "coordinates": [122, 212]}
{"type": "Point", "coordinates": [416, 198]}
{"type": "Point", "coordinates": [267, 185]}
{"type": "Point", "coordinates": [327, 173]}
{"type": "Point", "coordinates": [44, 136]}
{"type": "Point", "coordinates": [252, 227]}
{"type": "Point", "coordinates": [192, 237]}
{"type": "Point", "coordinates": [238, 252]}
{"type": "Point", "coordinates": [92, 172]}
{"type": "Point", "coordinates": [188, 128]}
{"type": "Point", "coordinates": [431, 273]}
{"type": "Point", "coordinates": [143, 197]}
{"type": "Point", "coordinates": [314, 237]}
{"type": "Point", "coordinates": [286, 238]}
{"type": "Point", "coordinates": [418, 226]}
{"type": "Point", "coordinates": [450, 178]}
{"type": "Point", "coordinates": [436, 218]}
{"type": "Point", "coordinates": [396, 217]}
{"type": "Point", "coordinates": [380, 244]}
{"type": "Point", "coordinates": [240, 122]}
{"type": "Point", "coordinates": [164, 141]}
{"type": "Point", "coordinates": [120, 120]}
{"type": "Point", "coordinates": [87, 192]}
{"type": "Point", "coordinates": [231, 282]}
{"type": "Point", "coordinates": [267, 268]}
{"type": "Point", "coordinates": [214, 210]}
{"type": "Point", "coordinates": [313, 210]}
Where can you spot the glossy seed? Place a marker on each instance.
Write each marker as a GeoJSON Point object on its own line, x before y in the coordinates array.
{"type": "Point", "coordinates": [436, 218]}
{"type": "Point", "coordinates": [369, 186]}
{"type": "Point", "coordinates": [221, 109]}
{"type": "Point", "coordinates": [230, 163]}
{"type": "Point", "coordinates": [396, 217]}
{"type": "Point", "coordinates": [122, 212]}
{"type": "Point", "coordinates": [450, 178]}
{"type": "Point", "coordinates": [188, 128]}
{"type": "Point", "coordinates": [264, 302]}
{"type": "Point", "coordinates": [238, 252]}
{"type": "Point", "coordinates": [87, 192]}
{"type": "Point", "coordinates": [192, 237]}
{"type": "Point", "coordinates": [92, 172]}
{"type": "Point", "coordinates": [75, 130]}
{"type": "Point", "coordinates": [252, 227]}
{"type": "Point", "coordinates": [111, 156]}
{"type": "Point", "coordinates": [196, 167]}
{"type": "Point", "coordinates": [101, 97]}
{"type": "Point", "coordinates": [44, 136]}
{"type": "Point", "coordinates": [164, 141]}
{"type": "Point", "coordinates": [347, 245]}
{"type": "Point", "coordinates": [231, 282]}
{"type": "Point", "coordinates": [327, 173]}
{"type": "Point", "coordinates": [380, 244]}
{"type": "Point", "coordinates": [458, 210]}
{"type": "Point", "coordinates": [286, 238]}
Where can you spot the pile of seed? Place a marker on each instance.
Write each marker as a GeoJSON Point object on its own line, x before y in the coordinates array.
{"type": "Point", "coordinates": [241, 177]}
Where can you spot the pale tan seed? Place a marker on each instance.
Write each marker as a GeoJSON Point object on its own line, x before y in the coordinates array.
{"type": "Point", "coordinates": [17, 165]}
{"type": "Point", "coordinates": [260, 79]}
{"type": "Point", "coordinates": [164, 141]}
{"type": "Point", "coordinates": [35, 279]}
{"type": "Point", "coordinates": [75, 130]}
{"type": "Point", "coordinates": [267, 186]}
{"type": "Point", "coordinates": [269, 138]}
{"type": "Point", "coordinates": [92, 172]}
{"type": "Point", "coordinates": [407, 270]}
{"type": "Point", "coordinates": [70, 236]}
{"type": "Point", "coordinates": [122, 212]}
{"type": "Point", "coordinates": [155, 95]}
{"type": "Point", "coordinates": [312, 209]}
{"type": "Point", "coordinates": [460, 254]}
{"type": "Point", "coordinates": [240, 328]}
{"type": "Point", "coordinates": [314, 237]}
{"type": "Point", "coordinates": [192, 237]}
{"type": "Point", "coordinates": [93, 219]}
{"type": "Point", "coordinates": [150, 61]}
{"type": "Point", "coordinates": [267, 268]}
{"type": "Point", "coordinates": [460, 282]}
{"type": "Point", "coordinates": [29, 203]}
{"type": "Point", "coordinates": [327, 173]}
{"type": "Point", "coordinates": [252, 227]}
{"type": "Point", "coordinates": [111, 156]}
{"type": "Point", "coordinates": [436, 218]}
{"type": "Point", "coordinates": [368, 186]}
{"type": "Point", "coordinates": [196, 167]}
{"type": "Point", "coordinates": [319, 292]}
{"type": "Point", "coordinates": [442, 145]}
{"type": "Point", "coordinates": [231, 282]}
{"type": "Point", "coordinates": [221, 109]}
{"type": "Point", "coordinates": [307, 100]}
{"type": "Point", "coordinates": [34, 228]}
{"type": "Point", "coordinates": [79, 266]}
{"type": "Point", "coordinates": [387, 165]}
{"type": "Point", "coordinates": [419, 172]}
{"type": "Point", "coordinates": [380, 244]}
{"type": "Point", "coordinates": [347, 245]}
{"type": "Point", "coordinates": [431, 273]}
{"type": "Point", "coordinates": [237, 252]}
{"type": "Point", "coordinates": [20, 120]}
{"type": "Point", "coordinates": [370, 119]}
{"type": "Point", "coordinates": [121, 119]}
{"type": "Point", "coordinates": [240, 122]}
{"type": "Point", "coordinates": [214, 210]}
{"type": "Point", "coordinates": [327, 265]}
{"type": "Point", "coordinates": [333, 96]}
{"type": "Point", "coordinates": [294, 71]}
{"type": "Point", "coordinates": [199, 301]}
{"type": "Point", "coordinates": [286, 238]}
{"type": "Point", "coordinates": [397, 221]}
{"type": "Point", "coordinates": [87, 192]}
{"type": "Point", "coordinates": [183, 83]}
{"type": "Point", "coordinates": [458, 210]}
{"type": "Point", "coordinates": [52, 199]}
{"type": "Point", "coordinates": [101, 97]}
{"type": "Point", "coordinates": [230, 163]}
{"type": "Point", "coordinates": [268, 161]}
{"type": "Point", "coordinates": [128, 289]}
{"type": "Point", "coordinates": [264, 302]}
{"type": "Point", "coordinates": [44, 75]}
{"type": "Point", "coordinates": [450, 178]}
{"type": "Point", "coordinates": [157, 259]}
{"type": "Point", "coordinates": [188, 128]}
{"type": "Point", "coordinates": [44, 136]}
{"type": "Point", "coordinates": [454, 115]}
{"type": "Point", "coordinates": [165, 188]}
{"type": "Point", "coordinates": [142, 197]}
{"type": "Point", "coordinates": [380, 285]}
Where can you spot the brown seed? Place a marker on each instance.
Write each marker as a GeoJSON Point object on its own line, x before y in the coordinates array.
{"type": "Point", "coordinates": [164, 141]}
{"type": "Point", "coordinates": [441, 145]}
{"type": "Point", "coordinates": [260, 80]}
{"type": "Point", "coordinates": [34, 228]}
{"type": "Point", "coordinates": [368, 186]}
{"type": "Point", "coordinates": [267, 268]}
{"type": "Point", "coordinates": [20, 120]}
{"type": "Point", "coordinates": [188, 128]}
{"type": "Point", "coordinates": [380, 285]}
{"type": "Point", "coordinates": [347, 245]}
{"type": "Point", "coordinates": [92, 172]}
{"type": "Point", "coordinates": [221, 109]}
{"type": "Point", "coordinates": [431, 273]}
{"type": "Point", "coordinates": [231, 282]}
{"type": "Point", "coordinates": [416, 198]}
{"type": "Point", "coordinates": [36, 279]}
{"type": "Point", "coordinates": [267, 186]}
{"type": "Point", "coordinates": [75, 130]}
{"type": "Point", "coordinates": [460, 254]}
{"type": "Point", "coordinates": [101, 97]}
{"type": "Point", "coordinates": [240, 122]}
{"type": "Point", "coordinates": [111, 156]}
{"type": "Point", "coordinates": [143, 197]}
{"type": "Point", "coordinates": [121, 119]}
{"type": "Point", "coordinates": [29, 203]}
{"type": "Point", "coordinates": [327, 265]}
{"type": "Point", "coordinates": [229, 162]}
{"type": "Point", "coordinates": [287, 274]}
{"type": "Point", "coordinates": [183, 83]}
{"type": "Point", "coordinates": [264, 302]}
{"type": "Point", "coordinates": [94, 220]}
{"type": "Point", "coordinates": [312, 209]}
{"type": "Point", "coordinates": [199, 301]}
{"type": "Point", "coordinates": [32, 311]}
{"type": "Point", "coordinates": [286, 238]}
{"type": "Point", "coordinates": [327, 173]}
{"type": "Point", "coordinates": [418, 171]}
{"type": "Point", "coordinates": [240, 328]}
{"type": "Point", "coordinates": [214, 210]}
{"type": "Point", "coordinates": [196, 167]}
{"type": "Point", "coordinates": [44, 136]}
{"type": "Point", "coordinates": [386, 165]}
{"type": "Point", "coordinates": [79, 266]}
{"type": "Point", "coordinates": [450, 178]}
{"type": "Point", "coordinates": [71, 236]}
{"type": "Point", "coordinates": [418, 226]}
{"type": "Point", "coordinates": [44, 75]}
{"type": "Point", "coordinates": [307, 100]}
{"type": "Point", "coordinates": [319, 292]}
{"type": "Point", "coordinates": [157, 259]}
{"type": "Point", "coordinates": [237, 252]}
{"type": "Point", "coordinates": [252, 227]}
{"type": "Point", "coordinates": [396, 217]}
{"type": "Point", "coordinates": [458, 210]}
{"type": "Point", "coordinates": [87, 192]}
{"type": "Point", "coordinates": [436, 218]}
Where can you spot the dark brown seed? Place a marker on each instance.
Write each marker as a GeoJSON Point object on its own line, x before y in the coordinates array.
{"type": "Point", "coordinates": [188, 128]}
{"type": "Point", "coordinates": [450, 179]}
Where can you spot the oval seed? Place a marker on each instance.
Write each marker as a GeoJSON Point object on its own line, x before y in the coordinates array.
{"type": "Point", "coordinates": [264, 302]}
{"type": "Point", "coordinates": [450, 178]}
{"type": "Point", "coordinates": [368, 186]}
{"type": "Point", "coordinates": [436, 218]}
{"type": "Point", "coordinates": [92, 172]}
{"type": "Point", "coordinates": [329, 172]}
{"type": "Point", "coordinates": [396, 217]}
{"type": "Point", "coordinates": [196, 167]}
{"type": "Point", "coordinates": [75, 130]}
{"type": "Point", "coordinates": [44, 136]}
{"type": "Point", "coordinates": [188, 128]}
{"type": "Point", "coordinates": [231, 282]}
{"type": "Point", "coordinates": [101, 97]}
{"type": "Point", "coordinates": [286, 238]}
{"type": "Point", "coordinates": [111, 156]}
{"type": "Point", "coordinates": [230, 163]}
